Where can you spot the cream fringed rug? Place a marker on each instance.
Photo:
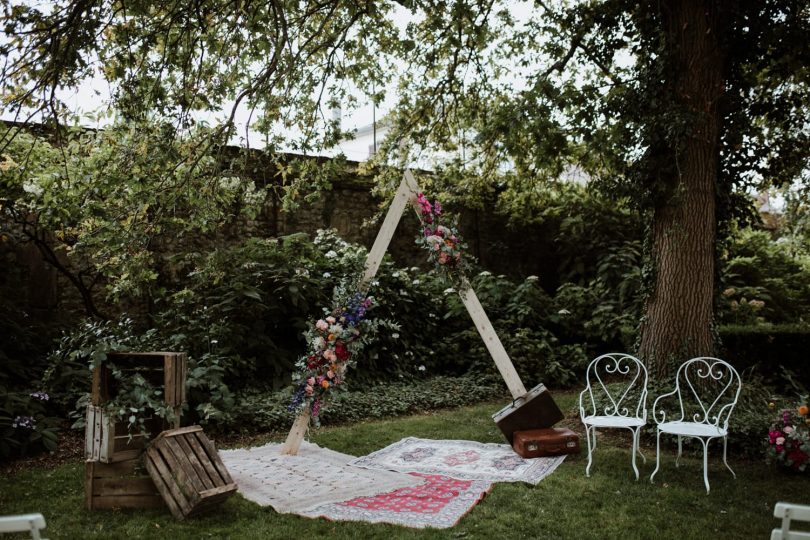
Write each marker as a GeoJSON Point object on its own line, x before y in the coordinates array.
{"type": "Point", "coordinates": [314, 477]}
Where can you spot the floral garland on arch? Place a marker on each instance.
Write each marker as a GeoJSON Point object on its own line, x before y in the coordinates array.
{"type": "Point", "coordinates": [334, 339]}
{"type": "Point", "coordinates": [441, 239]}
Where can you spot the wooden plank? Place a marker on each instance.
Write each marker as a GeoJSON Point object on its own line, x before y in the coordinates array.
{"type": "Point", "coordinates": [111, 470]}
{"type": "Point", "coordinates": [107, 437]}
{"type": "Point", "coordinates": [139, 485]}
{"type": "Point", "coordinates": [92, 433]}
{"type": "Point", "coordinates": [88, 484]}
{"type": "Point", "coordinates": [214, 458]}
{"type": "Point", "coordinates": [405, 192]}
{"type": "Point", "coordinates": [157, 355]}
{"type": "Point", "coordinates": [166, 482]}
{"type": "Point", "coordinates": [178, 412]}
{"type": "Point", "coordinates": [125, 443]}
{"type": "Point", "coordinates": [125, 455]}
{"type": "Point", "coordinates": [218, 491]}
{"type": "Point", "coordinates": [178, 431]}
{"type": "Point", "coordinates": [98, 384]}
{"type": "Point", "coordinates": [169, 379]}
{"type": "Point", "coordinates": [194, 461]}
{"type": "Point", "coordinates": [296, 434]}
{"type": "Point", "coordinates": [183, 379]}
{"type": "Point", "coordinates": [179, 460]}
{"type": "Point", "coordinates": [210, 470]}
{"type": "Point", "coordinates": [492, 342]}
{"type": "Point", "coordinates": [127, 501]}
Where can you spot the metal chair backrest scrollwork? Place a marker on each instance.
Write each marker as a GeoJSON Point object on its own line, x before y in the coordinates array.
{"type": "Point", "coordinates": [707, 389]}
{"type": "Point", "coordinates": [616, 385]}
{"type": "Point", "coordinates": [616, 397]}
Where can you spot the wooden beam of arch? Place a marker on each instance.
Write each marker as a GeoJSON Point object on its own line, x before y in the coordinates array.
{"type": "Point", "coordinates": [406, 193]}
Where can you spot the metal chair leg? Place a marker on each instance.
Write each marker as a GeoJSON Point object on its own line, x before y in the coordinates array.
{"type": "Point", "coordinates": [590, 450]}
{"type": "Point", "coordinates": [705, 462]}
{"type": "Point", "coordinates": [635, 444]}
{"type": "Point", "coordinates": [680, 449]}
{"type": "Point", "coordinates": [657, 454]}
{"type": "Point", "coordinates": [638, 448]}
{"type": "Point", "coordinates": [725, 444]}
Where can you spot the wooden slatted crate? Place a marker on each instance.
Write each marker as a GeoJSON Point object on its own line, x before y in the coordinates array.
{"type": "Point", "coordinates": [188, 471]}
{"type": "Point", "coordinates": [166, 369]}
{"type": "Point", "coordinates": [124, 484]}
{"type": "Point", "coordinates": [109, 441]}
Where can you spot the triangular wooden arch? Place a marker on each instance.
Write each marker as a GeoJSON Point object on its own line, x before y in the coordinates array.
{"type": "Point", "coordinates": [406, 193]}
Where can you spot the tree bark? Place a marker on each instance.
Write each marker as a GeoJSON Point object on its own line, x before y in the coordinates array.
{"type": "Point", "coordinates": [678, 318]}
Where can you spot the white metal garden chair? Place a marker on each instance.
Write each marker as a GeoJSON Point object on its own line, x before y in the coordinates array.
{"type": "Point", "coordinates": [706, 390]}
{"type": "Point", "coordinates": [32, 523]}
{"type": "Point", "coordinates": [789, 513]}
{"type": "Point", "coordinates": [615, 396]}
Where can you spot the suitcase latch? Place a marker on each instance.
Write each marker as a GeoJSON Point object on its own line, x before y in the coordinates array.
{"type": "Point", "coordinates": [570, 444]}
{"type": "Point", "coordinates": [531, 447]}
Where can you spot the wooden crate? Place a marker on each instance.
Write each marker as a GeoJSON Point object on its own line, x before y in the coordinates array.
{"type": "Point", "coordinates": [166, 369]}
{"type": "Point", "coordinates": [109, 441]}
{"type": "Point", "coordinates": [188, 471]}
{"type": "Point", "coordinates": [124, 484]}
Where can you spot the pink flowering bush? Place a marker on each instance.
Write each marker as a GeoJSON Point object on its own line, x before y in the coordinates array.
{"type": "Point", "coordinates": [789, 439]}
{"type": "Point", "coordinates": [441, 239]}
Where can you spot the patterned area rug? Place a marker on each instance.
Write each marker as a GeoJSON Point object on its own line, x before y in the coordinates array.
{"type": "Point", "coordinates": [465, 460]}
{"type": "Point", "coordinates": [292, 484]}
{"type": "Point", "coordinates": [439, 502]}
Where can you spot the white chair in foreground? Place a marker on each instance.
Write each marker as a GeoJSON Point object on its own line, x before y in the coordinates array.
{"type": "Point", "coordinates": [615, 396]}
{"type": "Point", "coordinates": [32, 523]}
{"type": "Point", "coordinates": [706, 390]}
{"type": "Point", "coordinates": [791, 512]}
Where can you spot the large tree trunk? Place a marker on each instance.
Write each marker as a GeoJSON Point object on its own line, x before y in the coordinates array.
{"type": "Point", "coordinates": [679, 311]}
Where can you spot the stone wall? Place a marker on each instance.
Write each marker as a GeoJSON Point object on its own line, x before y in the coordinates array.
{"type": "Point", "coordinates": [350, 207]}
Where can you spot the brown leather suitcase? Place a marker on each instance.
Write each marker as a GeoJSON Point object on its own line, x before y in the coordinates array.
{"type": "Point", "coordinates": [534, 410]}
{"type": "Point", "coordinates": [545, 442]}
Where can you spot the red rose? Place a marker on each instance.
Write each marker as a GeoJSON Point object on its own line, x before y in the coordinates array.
{"type": "Point", "coordinates": [341, 351]}
{"type": "Point", "coordinates": [797, 456]}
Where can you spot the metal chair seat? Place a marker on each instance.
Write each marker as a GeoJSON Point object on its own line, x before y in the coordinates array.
{"type": "Point", "coordinates": [613, 421]}
{"type": "Point", "coordinates": [692, 429]}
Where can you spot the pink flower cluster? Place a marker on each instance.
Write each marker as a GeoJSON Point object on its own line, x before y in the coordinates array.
{"type": "Point", "coordinates": [789, 440]}
{"type": "Point", "coordinates": [442, 242]}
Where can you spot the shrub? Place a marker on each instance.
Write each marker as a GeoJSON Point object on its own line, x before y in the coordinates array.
{"type": "Point", "coordinates": [778, 352]}
{"type": "Point", "coordinates": [267, 411]}
{"type": "Point", "coordinates": [763, 281]}
{"type": "Point", "coordinates": [25, 426]}
{"type": "Point", "coordinates": [78, 352]}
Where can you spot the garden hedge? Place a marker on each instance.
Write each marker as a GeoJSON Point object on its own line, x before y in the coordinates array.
{"type": "Point", "coordinates": [770, 349]}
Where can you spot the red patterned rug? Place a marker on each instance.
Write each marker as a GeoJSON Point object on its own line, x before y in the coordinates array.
{"type": "Point", "coordinates": [440, 502]}
{"type": "Point", "coordinates": [465, 460]}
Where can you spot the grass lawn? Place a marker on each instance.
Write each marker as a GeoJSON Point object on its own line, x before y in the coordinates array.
{"type": "Point", "coordinates": [610, 504]}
